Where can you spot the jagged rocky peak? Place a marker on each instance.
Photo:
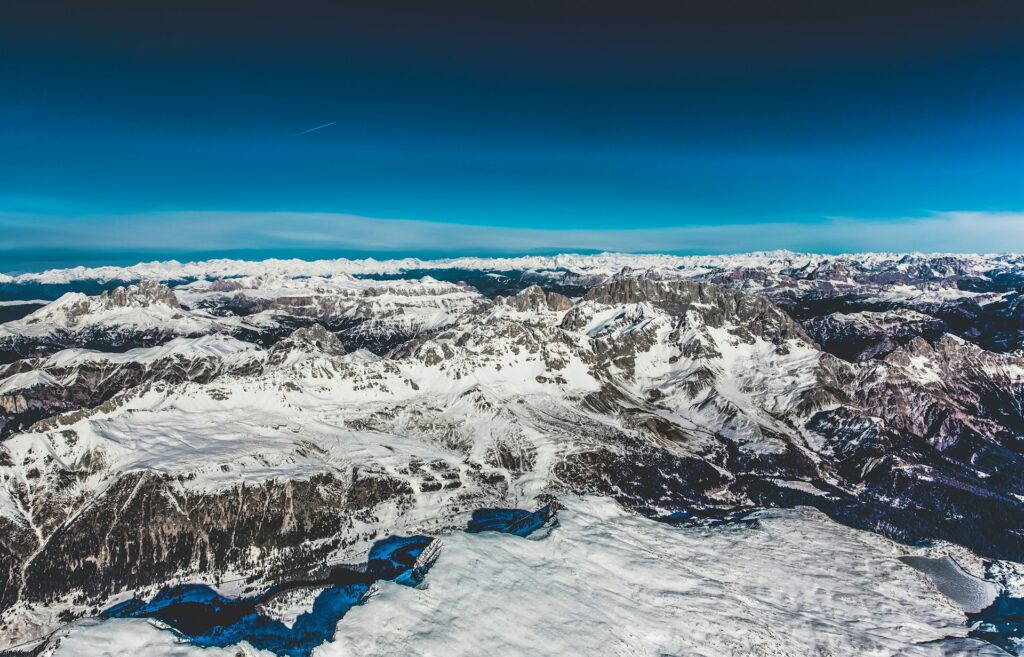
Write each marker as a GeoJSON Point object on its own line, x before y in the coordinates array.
{"type": "Point", "coordinates": [958, 358]}
{"type": "Point", "coordinates": [313, 338]}
{"type": "Point", "coordinates": [559, 302]}
{"type": "Point", "coordinates": [958, 397]}
{"type": "Point", "coordinates": [917, 347]}
{"type": "Point", "coordinates": [717, 306]}
{"type": "Point", "coordinates": [872, 334]}
{"type": "Point", "coordinates": [74, 306]}
{"type": "Point", "coordinates": [534, 298]}
{"type": "Point", "coordinates": [144, 293]}
{"type": "Point", "coordinates": [643, 273]}
{"type": "Point", "coordinates": [831, 271]}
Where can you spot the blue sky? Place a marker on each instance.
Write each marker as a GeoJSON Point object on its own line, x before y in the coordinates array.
{"type": "Point", "coordinates": [682, 126]}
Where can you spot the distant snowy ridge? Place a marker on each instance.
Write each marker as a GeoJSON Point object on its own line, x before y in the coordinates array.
{"type": "Point", "coordinates": [582, 263]}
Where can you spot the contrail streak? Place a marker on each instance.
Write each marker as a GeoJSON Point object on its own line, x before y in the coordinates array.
{"type": "Point", "coordinates": [319, 127]}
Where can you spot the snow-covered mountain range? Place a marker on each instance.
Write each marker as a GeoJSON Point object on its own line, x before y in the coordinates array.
{"type": "Point", "coordinates": [236, 423]}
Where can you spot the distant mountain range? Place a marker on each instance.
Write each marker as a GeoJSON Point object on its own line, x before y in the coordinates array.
{"type": "Point", "coordinates": [227, 419]}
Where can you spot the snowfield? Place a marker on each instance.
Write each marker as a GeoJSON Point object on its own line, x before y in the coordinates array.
{"type": "Point", "coordinates": [607, 582]}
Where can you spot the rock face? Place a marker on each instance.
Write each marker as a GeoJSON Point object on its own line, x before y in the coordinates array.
{"type": "Point", "coordinates": [868, 334]}
{"type": "Point", "coordinates": [210, 456]}
{"type": "Point", "coordinates": [73, 310]}
{"type": "Point", "coordinates": [717, 307]}
{"type": "Point", "coordinates": [315, 339]}
{"type": "Point", "coordinates": [170, 531]}
{"type": "Point", "coordinates": [144, 293]}
{"type": "Point", "coordinates": [854, 302]}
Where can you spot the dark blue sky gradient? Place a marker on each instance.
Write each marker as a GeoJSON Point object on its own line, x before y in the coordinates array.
{"type": "Point", "coordinates": [553, 115]}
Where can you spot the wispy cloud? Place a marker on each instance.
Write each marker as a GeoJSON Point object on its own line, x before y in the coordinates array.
{"type": "Point", "coordinates": [208, 231]}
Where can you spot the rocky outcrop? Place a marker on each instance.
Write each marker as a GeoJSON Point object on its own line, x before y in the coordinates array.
{"type": "Point", "coordinates": [717, 306]}
{"type": "Point", "coordinates": [535, 299]}
{"type": "Point", "coordinates": [312, 339]}
{"type": "Point", "coordinates": [866, 335]}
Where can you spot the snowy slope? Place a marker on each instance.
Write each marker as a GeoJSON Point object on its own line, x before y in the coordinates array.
{"type": "Point", "coordinates": [606, 582]}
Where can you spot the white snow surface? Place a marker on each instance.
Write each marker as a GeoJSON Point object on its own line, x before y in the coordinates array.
{"type": "Point", "coordinates": [609, 583]}
{"type": "Point", "coordinates": [23, 380]}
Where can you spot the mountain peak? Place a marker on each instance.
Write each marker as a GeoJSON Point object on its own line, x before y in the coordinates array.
{"type": "Point", "coordinates": [534, 298]}
{"type": "Point", "coordinates": [142, 294]}
{"type": "Point", "coordinates": [313, 338]}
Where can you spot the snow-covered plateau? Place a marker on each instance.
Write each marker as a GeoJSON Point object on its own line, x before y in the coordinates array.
{"type": "Point", "coordinates": [765, 454]}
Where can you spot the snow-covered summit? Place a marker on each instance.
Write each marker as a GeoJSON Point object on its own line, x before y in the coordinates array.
{"type": "Point", "coordinates": [145, 306]}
